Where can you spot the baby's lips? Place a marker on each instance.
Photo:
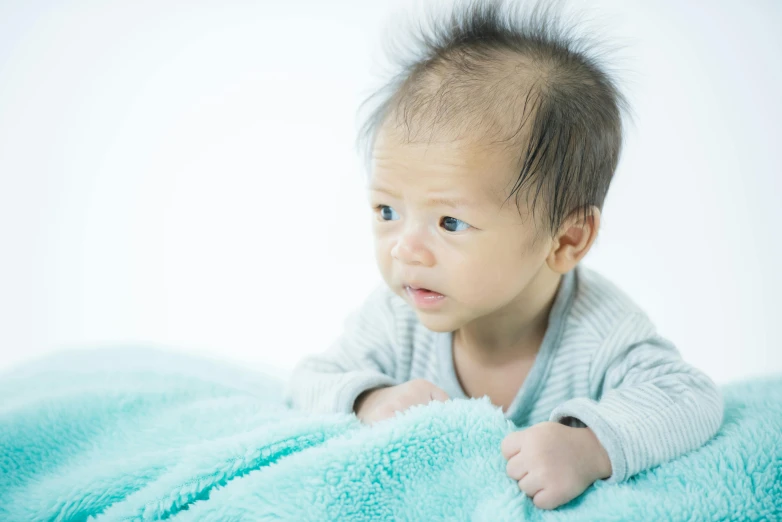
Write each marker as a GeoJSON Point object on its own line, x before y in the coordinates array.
{"type": "Point", "coordinates": [423, 289]}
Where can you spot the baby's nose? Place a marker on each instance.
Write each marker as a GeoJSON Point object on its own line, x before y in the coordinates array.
{"type": "Point", "coordinates": [411, 248]}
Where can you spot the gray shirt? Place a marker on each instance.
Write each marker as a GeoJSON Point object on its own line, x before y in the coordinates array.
{"type": "Point", "coordinates": [601, 364]}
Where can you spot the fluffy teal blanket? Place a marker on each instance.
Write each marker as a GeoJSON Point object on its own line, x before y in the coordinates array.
{"type": "Point", "coordinates": [139, 434]}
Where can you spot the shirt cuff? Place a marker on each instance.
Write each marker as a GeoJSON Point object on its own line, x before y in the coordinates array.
{"type": "Point", "coordinates": [587, 411]}
{"type": "Point", "coordinates": [346, 398]}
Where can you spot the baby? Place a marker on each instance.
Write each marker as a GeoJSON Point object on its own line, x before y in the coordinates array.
{"type": "Point", "coordinates": [491, 156]}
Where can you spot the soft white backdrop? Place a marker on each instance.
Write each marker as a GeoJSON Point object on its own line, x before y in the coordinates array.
{"type": "Point", "coordinates": [183, 174]}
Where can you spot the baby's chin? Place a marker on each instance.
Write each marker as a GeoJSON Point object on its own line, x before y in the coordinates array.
{"type": "Point", "coordinates": [439, 321]}
{"type": "Point", "coordinates": [436, 326]}
{"type": "Point", "coordinates": [450, 317]}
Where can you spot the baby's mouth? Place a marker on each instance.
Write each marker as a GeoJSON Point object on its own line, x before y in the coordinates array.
{"type": "Point", "coordinates": [424, 293]}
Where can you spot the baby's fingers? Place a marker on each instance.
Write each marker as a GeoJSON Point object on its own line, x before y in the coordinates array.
{"type": "Point", "coordinates": [437, 394]}
{"type": "Point", "coordinates": [382, 413]}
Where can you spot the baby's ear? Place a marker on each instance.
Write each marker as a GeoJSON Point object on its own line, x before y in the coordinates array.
{"type": "Point", "coordinates": [576, 236]}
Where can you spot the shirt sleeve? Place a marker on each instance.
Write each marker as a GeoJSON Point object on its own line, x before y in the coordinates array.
{"type": "Point", "coordinates": [362, 358]}
{"type": "Point", "coordinates": [651, 406]}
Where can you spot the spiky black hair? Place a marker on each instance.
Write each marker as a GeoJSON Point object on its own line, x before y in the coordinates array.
{"type": "Point", "coordinates": [523, 80]}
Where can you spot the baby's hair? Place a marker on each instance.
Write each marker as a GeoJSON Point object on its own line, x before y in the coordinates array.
{"type": "Point", "coordinates": [489, 69]}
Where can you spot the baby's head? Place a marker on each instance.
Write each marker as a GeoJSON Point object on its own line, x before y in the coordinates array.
{"type": "Point", "coordinates": [490, 155]}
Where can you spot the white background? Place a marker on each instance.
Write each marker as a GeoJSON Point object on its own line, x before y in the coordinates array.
{"type": "Point", "coordinates": [183, 174]}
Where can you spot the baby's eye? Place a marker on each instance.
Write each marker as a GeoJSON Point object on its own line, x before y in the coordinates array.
{"type": "Point", "coordinates": [387, 212]}
{"type": "Point", "coordinates": [450, 222]}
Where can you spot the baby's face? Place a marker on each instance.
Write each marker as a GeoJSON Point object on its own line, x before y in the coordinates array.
{"type": "Point", "coordinates": [441, 222]}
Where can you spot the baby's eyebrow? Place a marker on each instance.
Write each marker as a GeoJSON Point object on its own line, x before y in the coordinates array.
{"type": "Point", "coordinates": [434, 201]}
{"type": "Point", "coordinates": [449, 202]}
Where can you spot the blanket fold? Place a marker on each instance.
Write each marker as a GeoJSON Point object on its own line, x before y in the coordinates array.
{"type": "Point", "coordinates": [134, 433]}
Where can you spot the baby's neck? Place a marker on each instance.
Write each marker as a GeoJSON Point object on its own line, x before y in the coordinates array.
{"type": "Point", "coordinates": [515, 332]}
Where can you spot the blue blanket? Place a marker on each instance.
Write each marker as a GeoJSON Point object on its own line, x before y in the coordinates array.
{"type": "Point", "coordinates": [142, 434]}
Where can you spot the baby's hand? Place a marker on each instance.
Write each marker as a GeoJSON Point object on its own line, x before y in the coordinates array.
{"type": "Point", "coordinates": [554, 463]}
{"type": "Point", "coordinates": [382, 403]}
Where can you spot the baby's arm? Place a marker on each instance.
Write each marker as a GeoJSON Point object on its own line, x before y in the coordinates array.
{"type": "Point", "coordinates": [360, 359]}
{"type": "Point", "coordinates": [652, 406]}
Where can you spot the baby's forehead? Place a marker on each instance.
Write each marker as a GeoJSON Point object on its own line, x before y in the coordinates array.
{"type": "Point", "coordinates": [462, 165]}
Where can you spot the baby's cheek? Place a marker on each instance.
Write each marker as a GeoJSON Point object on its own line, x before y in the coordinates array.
{"type": "Point", "coordinates": [489, 288]}
{"type": "Point", "coordinates": [478, 291]}
{"type": "Point", "coordinates": [383, 262]}
{"type": "Point", "coordinates": [382, 250]}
